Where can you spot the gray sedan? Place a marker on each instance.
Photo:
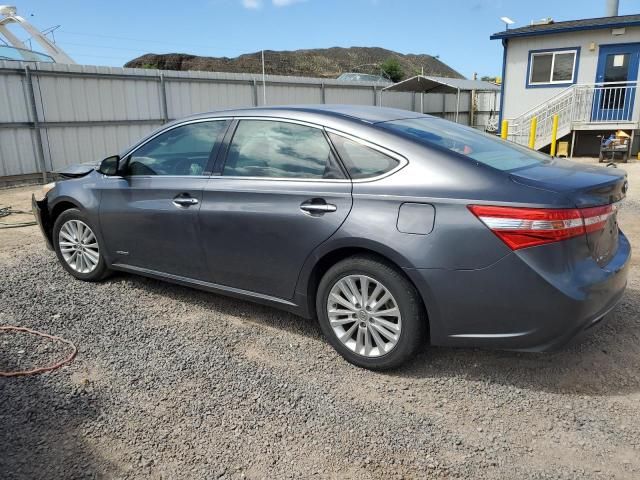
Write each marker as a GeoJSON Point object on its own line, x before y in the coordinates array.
{"type": "Point", "coordinates": [392, 228]}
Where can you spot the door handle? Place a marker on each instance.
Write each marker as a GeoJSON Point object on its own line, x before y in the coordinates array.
{"type": "Point", "coordinates": [318, 207]}
{"type": "Point", "coordinates": [185, 201]}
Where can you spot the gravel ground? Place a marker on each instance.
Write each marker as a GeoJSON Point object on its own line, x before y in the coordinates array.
{"type": "Point", "coordinates": [174, 383]}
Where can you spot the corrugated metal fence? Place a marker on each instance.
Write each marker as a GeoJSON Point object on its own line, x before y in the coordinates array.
{"type": "Point", "coordinates": [54, 115]}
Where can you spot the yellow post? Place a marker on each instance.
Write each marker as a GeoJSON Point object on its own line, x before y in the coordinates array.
{"type": "Point", "coordinates": [532, 132]}
{"type": "Point", "coordinates": [554, 135]}
{"type": "Point", "coordinates": [504, 130]}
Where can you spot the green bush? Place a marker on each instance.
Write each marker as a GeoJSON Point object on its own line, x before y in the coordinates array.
{"type": "Point", "coordinates": [392, 68]}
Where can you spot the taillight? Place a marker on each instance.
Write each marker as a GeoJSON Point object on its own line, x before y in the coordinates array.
{"type": "Point", "coordinates": [528, 227]}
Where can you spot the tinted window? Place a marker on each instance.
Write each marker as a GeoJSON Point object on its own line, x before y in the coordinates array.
{"type": "Point", "coordinates": [563, 67]}
{"type": "Point", "coordinates": [469, 142]}
{"type": "Point", "coordinates": [541, 68]}
{"type": "Point", "coordinates": [265, 148]}
{"type": "Point", "coordinates": [360, 160]}
{"type": "Point", "coordinates": [182, 150]}
{"type": "Point", "coordinates": [552, 67]}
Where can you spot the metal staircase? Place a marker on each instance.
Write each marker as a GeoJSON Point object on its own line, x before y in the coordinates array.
{"type": "Point", "coordinates": [579, 107]}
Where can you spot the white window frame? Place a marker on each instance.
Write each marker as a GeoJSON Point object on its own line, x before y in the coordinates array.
{"type": "Point", "coordinates": [553, 54]}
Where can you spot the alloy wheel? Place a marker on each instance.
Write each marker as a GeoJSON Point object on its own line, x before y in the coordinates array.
{"type": "Point", "coordinates": [364, 315]}
{"type": "Point", "coordinates": [79, 246]}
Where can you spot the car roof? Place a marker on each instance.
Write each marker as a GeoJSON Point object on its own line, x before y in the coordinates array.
{"type": "Point", "coordinates": [360, 113]}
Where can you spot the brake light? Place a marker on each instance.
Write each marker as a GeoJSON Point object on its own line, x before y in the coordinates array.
{"type": "Point", "coordinates": [595, 218]}
{"type": "Point", "coordinates": [528, 227]}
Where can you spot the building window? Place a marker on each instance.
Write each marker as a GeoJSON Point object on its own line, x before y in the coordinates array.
{"type": "Point", "coordinates": [548, 68]}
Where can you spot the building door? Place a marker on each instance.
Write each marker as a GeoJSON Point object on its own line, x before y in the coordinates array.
{"type": "Point", "coordinates": [616, 83]}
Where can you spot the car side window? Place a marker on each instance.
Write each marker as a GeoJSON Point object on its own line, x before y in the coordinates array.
{"type": "Point", "coordinates": [362, 161]}
{"type": "Point", "coordinates": [273, 149]}
{"type": "Point", "coordinates": [183, 150]}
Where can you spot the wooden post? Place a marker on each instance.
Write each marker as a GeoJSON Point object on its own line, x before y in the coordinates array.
{"type": "Point", "coordinates": [532, 133]}
{"type": "Point", "coordinates": [554, 135]}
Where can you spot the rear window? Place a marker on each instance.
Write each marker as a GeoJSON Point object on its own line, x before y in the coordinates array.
{"type": "Point", "coordinates": [469, 142]}
{"type": "Point", "coordinates": [360, 160]}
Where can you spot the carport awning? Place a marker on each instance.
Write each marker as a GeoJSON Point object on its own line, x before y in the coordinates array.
{"type": "Point", "coordinates": [431, 84]}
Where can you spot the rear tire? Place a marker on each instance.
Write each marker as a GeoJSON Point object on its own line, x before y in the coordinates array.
{"type": "Point", "coordinates": [78, 247]}
{"type": "Point", "coordinates": [353, 324]}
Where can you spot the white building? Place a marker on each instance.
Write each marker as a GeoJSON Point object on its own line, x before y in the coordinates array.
{"type": "Point", "coordinates": [586, 71]}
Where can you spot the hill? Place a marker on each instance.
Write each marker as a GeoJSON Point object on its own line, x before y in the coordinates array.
{"type": "Point", "coordinates": [321, 62]}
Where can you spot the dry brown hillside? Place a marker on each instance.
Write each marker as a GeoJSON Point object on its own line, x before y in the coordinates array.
{"type": "Point", "coordinates": [322, 62]}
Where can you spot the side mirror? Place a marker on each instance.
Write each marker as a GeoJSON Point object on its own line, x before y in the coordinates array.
{"type": "Point", "coordinates": [109, 166]}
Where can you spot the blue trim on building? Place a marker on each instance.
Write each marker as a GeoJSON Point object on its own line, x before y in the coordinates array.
{"type": "Point", "coordinates": [551, 31]}
{"type": "Point", "coordinates": [553, 85]}
{"type": "Point", "coordinates": [503, 81]}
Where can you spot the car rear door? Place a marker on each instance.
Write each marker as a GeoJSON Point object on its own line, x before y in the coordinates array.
{"type": "Point", "coordinates": [277, 193]}
{"type": "Point", "coordinates": [149, 215]}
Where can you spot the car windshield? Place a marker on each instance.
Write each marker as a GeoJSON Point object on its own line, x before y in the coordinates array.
{"type": "Point", "coordinates": [469, 142]}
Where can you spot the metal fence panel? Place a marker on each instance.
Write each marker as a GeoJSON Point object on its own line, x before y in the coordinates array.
{"type": "Point", "coordinates": [80, 99]}
{"type": "Point", "coordinates": [401, 100]}
{"type": "Point", "coordinates": [17, 152]}
{"type": "Point", "coordinates": [85, 113]}
{"type": "Point", "coordinates": [291, 94]}
{"type": "Point", "coordinates": [68, 145]}
{"type": "Point", "coordinates": [13, 104]}
{"type": "Point", "coordinates": [355, 96]}
{"type": "Point", "coordinates": [186, 98]}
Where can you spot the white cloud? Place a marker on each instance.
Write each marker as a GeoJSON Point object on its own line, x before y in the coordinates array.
{"type": "Point", "coordinates": [252, 4]}
{"type": "Point", "coordinates": [285, 3]}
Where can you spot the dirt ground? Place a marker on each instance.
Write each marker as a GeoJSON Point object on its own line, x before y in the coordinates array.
{"type": "Point", "coordinates": [174, 383]}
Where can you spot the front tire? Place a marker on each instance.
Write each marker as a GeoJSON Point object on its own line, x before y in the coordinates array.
{"type": "Point", "coordinates": [370, 313]}
{"type": "Point", "coordinates": [77, 246]}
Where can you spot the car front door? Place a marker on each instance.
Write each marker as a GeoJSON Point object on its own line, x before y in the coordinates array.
{"type": "Point", "coordinates": [149, 214]}
{"type": "Point", "coordinates": [279, 194]}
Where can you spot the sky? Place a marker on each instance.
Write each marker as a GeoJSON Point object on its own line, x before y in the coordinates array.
{"type": "Point", "coordinates": [113, 32]}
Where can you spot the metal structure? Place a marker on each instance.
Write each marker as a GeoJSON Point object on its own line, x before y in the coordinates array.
{"type": "Point", "coordinates": [431, 84]}
{"type": "Point", "coordinates": [579, 107]}
{"type": "Point", "coordinates": [8, 15]}
{"type": "Point", "coordinates": [54, 115]}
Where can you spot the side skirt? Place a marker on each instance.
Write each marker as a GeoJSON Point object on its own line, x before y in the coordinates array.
{"type": "Point", "coordinates": [213, 288]}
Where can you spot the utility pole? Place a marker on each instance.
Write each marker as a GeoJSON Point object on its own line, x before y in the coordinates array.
{"type": "Point", "coordinates": [264, 83]}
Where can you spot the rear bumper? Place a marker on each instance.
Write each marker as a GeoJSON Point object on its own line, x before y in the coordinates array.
{"type": "Point", "coordinates": [537, 299]}
{"type": "Point", "coordinates": [41, 212]}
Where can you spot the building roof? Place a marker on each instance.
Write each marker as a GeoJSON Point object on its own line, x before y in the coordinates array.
{"type": "Point", "coordinates": [429, 83]}
{"type": "Point", "coordinates": [570, 26]}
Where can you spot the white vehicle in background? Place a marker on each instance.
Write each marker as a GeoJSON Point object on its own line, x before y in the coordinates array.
{"type": "Point", "coordinates": [16, 49]}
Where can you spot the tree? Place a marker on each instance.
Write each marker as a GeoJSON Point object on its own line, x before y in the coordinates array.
{"type": "Point", "coordinates": [491, 79]}
{"type": "Point", "coordinates": [392, 68]}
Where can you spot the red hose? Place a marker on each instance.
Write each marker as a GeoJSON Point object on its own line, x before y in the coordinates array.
{"type": "Point", "coordinates": [35, 371]}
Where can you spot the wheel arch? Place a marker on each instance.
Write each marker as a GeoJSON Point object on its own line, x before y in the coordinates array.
{"type": "Point", "coordinates": [55, 210]}
{"type": "Point", "coordinates": [323, 260]}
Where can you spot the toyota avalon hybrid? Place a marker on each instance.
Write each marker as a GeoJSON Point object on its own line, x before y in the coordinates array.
{"type": "Point", "coordinates": [392, 228]}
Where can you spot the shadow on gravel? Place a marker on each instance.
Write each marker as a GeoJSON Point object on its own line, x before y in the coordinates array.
{"type": "Point", "coordinates": [251, 312]}
{"type": "Point", "coordinates": [42, 427]}
{"type": "Point", "coordinates": [606, 361]}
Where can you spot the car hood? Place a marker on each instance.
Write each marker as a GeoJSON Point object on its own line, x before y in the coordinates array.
{"type": "Point", "coordinates": [77, 170]}
{"type": "Point", "coordinates": [585, 184]}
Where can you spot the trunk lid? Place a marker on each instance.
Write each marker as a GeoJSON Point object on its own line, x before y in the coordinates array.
{"type": "Point", "coordinates": [586, 186]}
